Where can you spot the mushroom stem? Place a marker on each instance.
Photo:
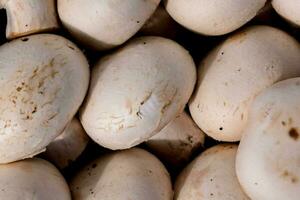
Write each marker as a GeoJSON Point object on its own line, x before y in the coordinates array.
{"type": "Point", "coordinates": [30, 16]}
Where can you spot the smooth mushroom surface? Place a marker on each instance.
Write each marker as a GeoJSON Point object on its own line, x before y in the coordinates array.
{"type": "Point", "coordinates": [68, 146]}
{"type": "Point", "coordinates": [104, 24]}
{"type": "Point", "coordinates": [288, 9]}
{"type": "Point", "coordinates": [26, 17]}
{"type": "Point", "coordinates": [268, 158]}
{"type": "Point", "coordinates": [127, 174]}
{"type": "Point", "coordinates": [32, 179]}
{"type": "Point", "coordinates": [235, 72]}
{"type": "Point", "coordinates": [136, 91]}
{"type": "Point", "coordinates": [211, 176]}
{"type": "Point", "coordinates": [43, 81]}
{"type": "Point", "coordinates": [213, 17]}
{"type": "Point", "coordinates": [177, 141]}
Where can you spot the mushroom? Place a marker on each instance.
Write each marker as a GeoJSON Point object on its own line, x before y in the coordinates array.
{"type": "Point", "coordinates": [177, 141]}
{"type": "Point", "coordinates": [105, 24]}
{"type": "Point", "coordinates": [128, 174]}
{"type": "Point", "coordinates": [160, 24]}
{"type": "Point", "coordinates": [235, 72]}
{"type": "Point", "coordinates": [136, 91]}
{"type": "Point", "coordinates": [43, 80]}
{"type": "Point", "coordinates": [267, 161]}
{"type": "Point", "coordinates": [32, 179]}
{"type": "Point", "coordinates": [213, 17]}
{"type": "Point", "coordinates": [211, 176]}
{"type": "Point", "coordinates": [288, 9]}
{"type": "Point", "coordinates": [68, 146]}
{"type": "Point", "coordinates": [29, 16]}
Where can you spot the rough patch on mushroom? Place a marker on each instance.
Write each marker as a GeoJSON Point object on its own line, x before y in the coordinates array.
{"type": "Point", "coordinates": [136, 91]}
{"type": "Point", "coordinates": [235, 72]}
{"type": "Point", "coordinates": [288, 9]}
{"type": "Point", "coordinates": [26, 17]}
{"type": "Point", "coordinates": [105, 24]}
{"type": "Point", "coordinates": [177, 141]}
{"type": "Point", "coordinates": [160, 24]}
{"type": "Point", "coordinates": [32, 179]}
{"type": "Point", "coordinates": [128, 174]}
{"type": "Point", "coordinates": [43, 80]}
{"type": "Point", "coordinates": [68, 146]}
{"type": "Point", "coordinates": [211, 176]}
{"type": "Point", "coordinates": [213, 17]}
{"type": "Point", "coordinates": [268, 158]}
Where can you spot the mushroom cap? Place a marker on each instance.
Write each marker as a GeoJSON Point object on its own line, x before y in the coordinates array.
{"type": "Point", "coordinates": [28, 17]}
{"type": "Point", "coordinates": [40, 92]}
{"type": "Point", "coordinates": [213, 17]}
{"type": "Point", "coordinates": [177, 141]}
{"type": "Point", "coordinates": [68, 146]}
{"type": "Point", "coordinates": [288, 9]}
{"type": "Point", "coordinates": [269, 153]}
{"type": "Point", "coordinates": [136, 91]}
{"type": "Point", "coordinates": [211, 176]}
{"type": "Point", "coordinates": [32, 179]}
{"type": "Point", "coordinates": [105, 24]}
{"type": "Point", "coordinates": [235, 72]}
{"type": "Point", "coordinates": [127, 174]}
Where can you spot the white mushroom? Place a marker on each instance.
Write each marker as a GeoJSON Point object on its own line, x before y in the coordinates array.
{"type": "Point", "coordinates": [235, 72]}
{"type": "Point", "coordinates": [288, 9]}
{"type": "Point", "coordinates": [25, 17]}
{"type": "Point", "coordinates": [211, 176]}
{"type": "Point", "coordinates": [32, 179]}
{"type": "Point", "coordinates": [160, 24]}
{"type": "Point", "coordinates": [105, 24]}
{"type": "Point", "coordinates": [177, 141]}
{"type": "Point", "coordinates": [43, 80]}
{"type": "Point", "coordinates": [136, 91]}
{"type": "Point", "coordinates": [68, 146]}
{"type": "Point", "coordinates": [128, 174]}
{"type": "Point", "coordinates": [213, 17]}
{"type": "Point", "coordinates": [268, 158]}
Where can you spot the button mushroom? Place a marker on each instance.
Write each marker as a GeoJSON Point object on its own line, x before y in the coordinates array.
{"type": "Point", "coordinates": [213, 17]}
{"type": "Point", "coordinates": [136, 91]}
{"type": "Point", "coordinates": [235, 72]}
{"type": "Point", "coordinates": [29, 16]}
{"type": "Point", "coordinates": [268, 158]}
{"type": "Point", "coordinates": [128, 174]}
{"type": "Point", "coordinates": [68, 146]}
{"type": "Point", "coordinates": [32, 179]}
{"type": "Point", "coordinates": [43, 80]}
{"type": "Point", "coordinates": [211, 176]}
{"type": "Point", "coordinates": [177, 141]}
{"type": "Point", "coordinates": [288, 9]}
{"type": "Point", "coordinates": [104, 24]}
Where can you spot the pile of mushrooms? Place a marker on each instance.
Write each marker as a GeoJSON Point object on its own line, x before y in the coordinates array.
{"type": "Point", "coordinates": [150, 100]}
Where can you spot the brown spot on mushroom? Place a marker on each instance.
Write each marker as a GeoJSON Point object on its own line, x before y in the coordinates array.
{"type": "Point", "coordinates": [221, 128]}
{"type": "Point", "coordinates": [293, 133]}
{"type": "Point", "coordinates": [25, 39]}
{"type": "Point", "coordinates": [283, 123]}
{"type": "Point", "coordinates": [94, 165]}
{"type": "Point", "coordinates": [242, 116]}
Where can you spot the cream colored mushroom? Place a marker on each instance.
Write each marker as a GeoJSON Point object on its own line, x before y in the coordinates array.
{"type": "Point", "coordinates": [269, 153]}
{"type": "Point", "coordinates": [177, 141]}
{"type": "Point", "coordinates": [128, 174]}
{"type": "Point", "coordinates": [211, 176]}
{"type": "Point", "coordinates": [160, 24]}
{"type": "Point", "coordinates": [213, 17]}
{"type": "Point", "coordinates": [25, 17]}
{"type": "Point", "coordinates": [235, 72]}
{"type": "Point", "coordinates": [32, 179]}
{"type": "Point", "coordinates": [288, 9]}
{"type": "Point", "coordinates": [105, 24]}
{"type": "Point", "coordinates": [43, 80]}
{"type": "Point", "coordinates": [68, 146]}
{"type": "Point", "coordinates": [136, 91]}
